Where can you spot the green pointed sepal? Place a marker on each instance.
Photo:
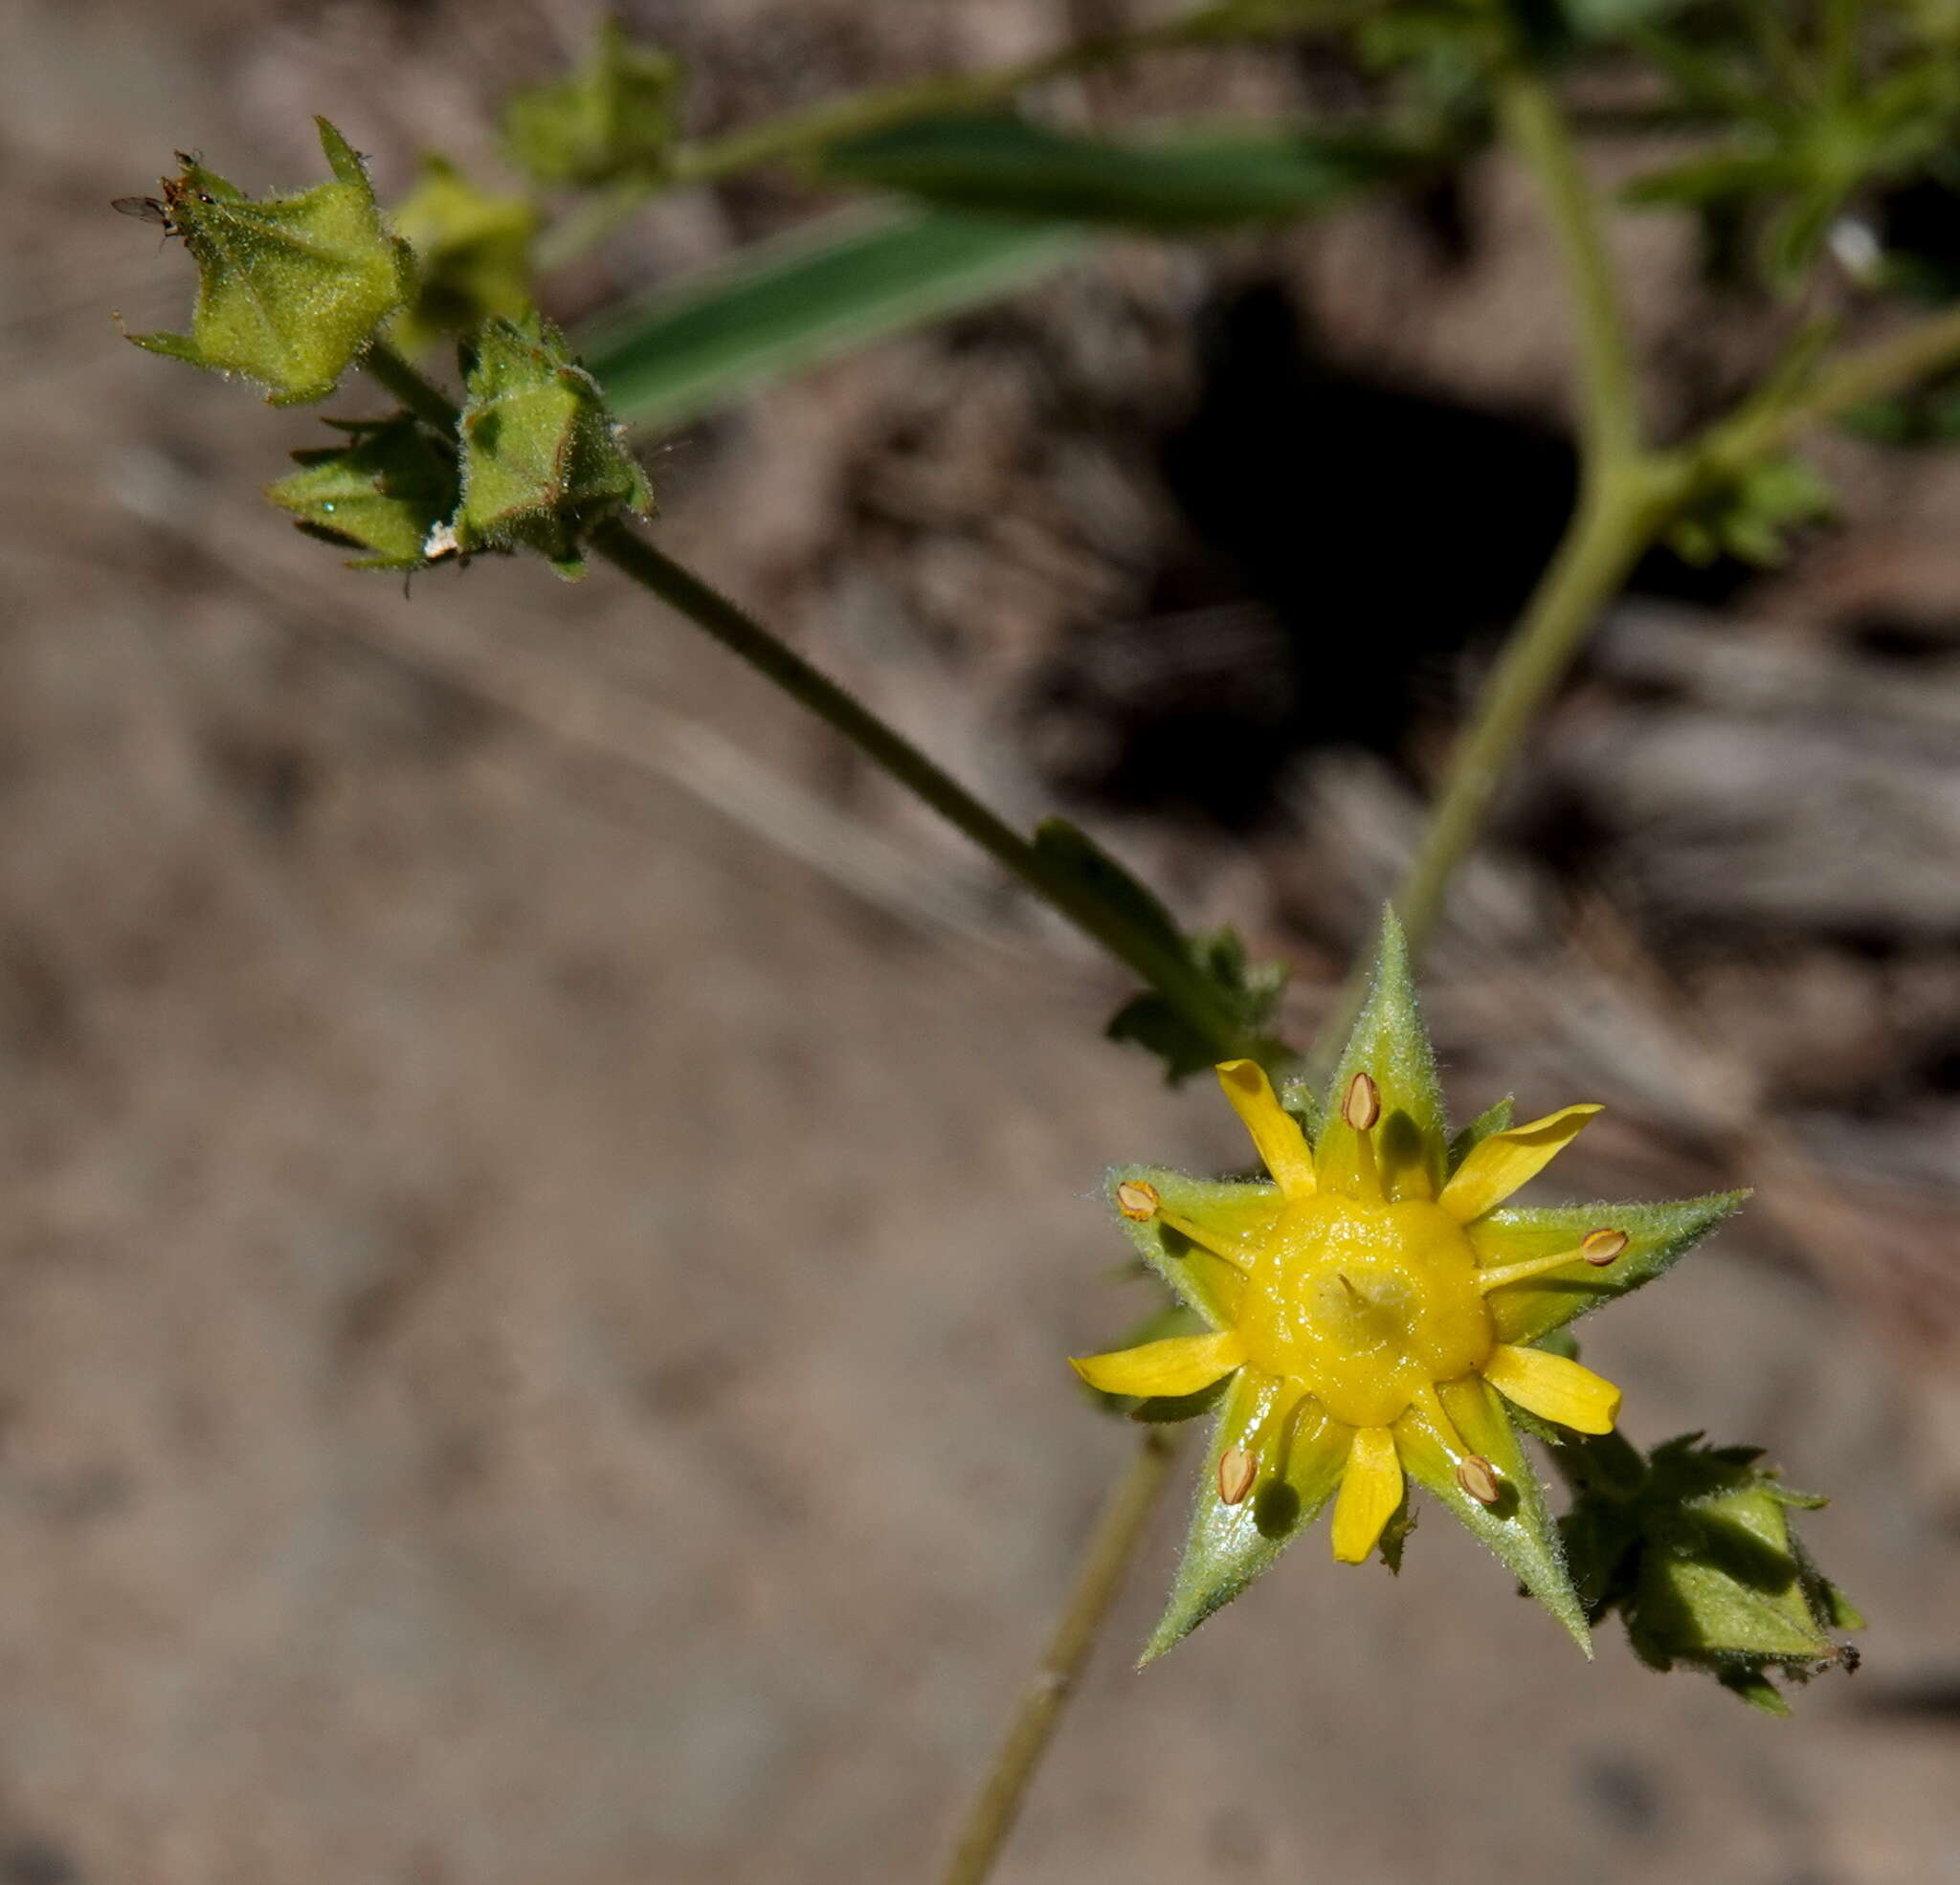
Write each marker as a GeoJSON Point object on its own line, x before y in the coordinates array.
{"type": "Point", "coordinates": [1389, 1044]}
{"type": "Point", "coordinates": [543, 460]}
{"type": "Point", "coordinates": [615, 119]}
{"type": "Point", "coordinates": [290, 289]}
{"type": "Point", "coordinates": [1658, 1235]}
{"type": "Point", "coordinates": [474, 252]}
{"type": "Point", "coordinates": [385, 492]}
{"type": "Point", "coordinates": [1230, 1545]}
{"type": "Point", "coordinates": [1235, 1215]}
{"type": "Point", "coordinates": [1694, 1547]}
{"type": "Point", "coordinates": [1519, 1528]}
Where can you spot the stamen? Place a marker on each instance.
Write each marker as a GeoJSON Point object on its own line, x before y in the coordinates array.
{"type": "Point", "coordinates": [1238, 1469]}
{"type": "Point", "coordinates": [1478, 1477]}
{"type": "Point", "coordinates": [1139, 1203]}
{"type": "Point", "coordinates": [1599, 1247]}
{"type": "Point", "coordinates": [1362, 1104]}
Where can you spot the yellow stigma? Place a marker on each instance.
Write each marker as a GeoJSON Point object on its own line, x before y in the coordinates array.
{"type": "Point", "coordinates": [1365, 1305]}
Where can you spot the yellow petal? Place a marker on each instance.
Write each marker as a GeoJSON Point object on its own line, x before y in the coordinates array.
{"type": "Point", "coordinates": [1371, 1490]}
{"type": "Point", "coordinates": [1275, 1131]}
{"type": "Point", "coordinates": [1505, 1159]}
{"type": "Point", "coordinates": [1182, 1365]}
{"type": "Point", "coordinates": [1553, 1388]}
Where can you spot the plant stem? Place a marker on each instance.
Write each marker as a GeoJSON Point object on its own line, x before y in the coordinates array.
{"type": "Point", "coordinates": [1756, 431]}
{"type": "Point", "coordinates": [1172, 974]}
{"type": "Point", "coordinates": [1609, 399]}
{"type": "Point", "coordinates": [425, 400]}
{"type": "Point", "coordinates": [1105, 1561]}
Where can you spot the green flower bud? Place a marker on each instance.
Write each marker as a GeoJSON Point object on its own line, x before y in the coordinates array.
{"type": "Point", "coordinates": [385, 492]}
{"type": "Point", "coordinates": [472, 252]}
{"type": "Point", "coordinates": [290, 289]}
{"type": "Point", "coordinates": [541, 458]}
{"type": "Point", "coordinates": [613, 118]}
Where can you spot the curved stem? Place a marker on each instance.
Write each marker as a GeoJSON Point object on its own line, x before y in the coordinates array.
{"type": "Point", "coordinates": [1172, 974]}
{"type": "Point", "coordinates": [1105, 1559]}
{"type": "Point", "coordinates": [1609, 399]}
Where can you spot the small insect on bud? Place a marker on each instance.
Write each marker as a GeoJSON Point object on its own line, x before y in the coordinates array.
{"type": "Point", "coordinates": [1362, 1104]}
{"type": "Point", "coordinates": [1136, 1199]}
{"type": "Point", "coordinates": [1478, 1477]}
{"type": "Point", "coordinates": [1238, 1469]}
{"type": "Point", "coordinates": [1600, 1246]}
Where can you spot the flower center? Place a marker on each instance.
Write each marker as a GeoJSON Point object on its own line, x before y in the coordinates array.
{"type": "Point", "coordinates": [1364, 1303]}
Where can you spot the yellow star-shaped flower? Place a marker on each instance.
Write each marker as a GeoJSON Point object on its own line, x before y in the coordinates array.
{"type": "Point", "coordinates": [1374, 1310]}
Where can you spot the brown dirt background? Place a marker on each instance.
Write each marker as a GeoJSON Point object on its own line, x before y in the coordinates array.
{"type": "Point", "coordinates": [544, 1210]}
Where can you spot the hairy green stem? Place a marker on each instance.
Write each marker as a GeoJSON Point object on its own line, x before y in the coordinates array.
{"type": "Point", "coordinates": [1105, 1563]}
{"type": "Point", "coordinates": [425, 400]}
{"type": "Point", "coordinates": [1609, 396]}
{"type": "Point", "coordinates": [1174, 977]}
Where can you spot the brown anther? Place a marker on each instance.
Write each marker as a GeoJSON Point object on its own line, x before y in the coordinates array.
{"type": "Point", "coordinates": [1238, 1469]}
{"type": "Point", "coordinates": [1478, 1477]}
{"type": "Point", "coordinates": [1600, 1246]}
{"type": "Point", "coordinates": [1136, 1199]}
{"type": "Point", "coordinates": [1362, 1104]}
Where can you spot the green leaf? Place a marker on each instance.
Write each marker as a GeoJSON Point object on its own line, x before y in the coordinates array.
{"type": "Point", "coordinates": [385, 490]}
{"type": "Point", "coordinates": [290, 289]}
{"type": "Point", "coordinates": [1229, 1545]}
{"type": "Point", "coordinates": [783, 306]}
{"type": "Point", "coordinates": [1389, 1044]}
{"type": "Point", "coordinates": [616, 118]}
{"type": "Point", "coordinates": [1248, 992]}
{"type": "Point", "coordinates": [1750, 514]}
{"type": "Point", "coordinates": [541, 462]}
{"type": "Point", "coordinates": [472, 252]}
{"type": "Point", "coordinates": [1008, 167]}
{"type": "Point", "coordinates": [1235, 1215]}
{"type": "Point", "coordinates": [1657, 1237]}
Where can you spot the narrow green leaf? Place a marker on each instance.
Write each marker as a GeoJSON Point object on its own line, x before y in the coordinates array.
{"type": "Point", "coordinates": [784, 306]}
{"type": "Point", "coordinates": [1009, 167]}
